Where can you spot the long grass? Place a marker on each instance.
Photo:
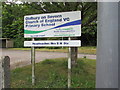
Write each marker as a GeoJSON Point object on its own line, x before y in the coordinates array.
{"type": "Point", "coordinates": [53, 74]}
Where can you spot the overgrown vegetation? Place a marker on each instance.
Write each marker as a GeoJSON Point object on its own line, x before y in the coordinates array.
{"type": "Point", "coordinates": [53, 74]}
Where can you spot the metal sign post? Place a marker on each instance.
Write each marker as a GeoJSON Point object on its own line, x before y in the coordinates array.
{"type": "Point", "coordinates": [62, 40]}
{"type": "Point", "coordinates": [64, 24]}
{"type": "Point", "coordinates": [33, 63]}
{"type": "Point", "coordinates": [69, 67]}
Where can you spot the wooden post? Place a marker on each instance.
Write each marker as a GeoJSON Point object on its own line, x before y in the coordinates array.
{"type": "Point", "coordinates": [6, 43]}
{"type": "Point", "coordinates": [1, 74]}
{"type": "Point", "coordinates": [33, 63]}
{"type": "Point", "coordinates": [4, 72]}
{"type": "Point", "coordinates": [74, 53]}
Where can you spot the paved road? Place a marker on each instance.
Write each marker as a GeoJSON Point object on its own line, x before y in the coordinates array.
{"type": "Point", "coordinates": [21, 58]}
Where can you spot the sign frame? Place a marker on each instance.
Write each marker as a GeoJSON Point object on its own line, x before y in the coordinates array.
{"type": "Point", "coordinates": [65, 24]}
{"type": "Point", "coordinates": [53, 43]}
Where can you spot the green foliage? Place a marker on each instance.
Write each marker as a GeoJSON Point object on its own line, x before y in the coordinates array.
{"type": "Point", "coordinates": [89, 35]}
{"type": "Point", "coordinates": [85, 71]}
{"type": "Point", "coordinates": [53, 74]}
{"type": "Point", "coordinates": [19, 42]}
{"type": "Point", "coordinates": [47, 61]}
{"type": "Point", "coordinates": [13, 17]}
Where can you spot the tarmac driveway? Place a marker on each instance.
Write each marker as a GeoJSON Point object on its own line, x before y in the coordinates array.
{"type": "Point", "coordinates": [19, 58]}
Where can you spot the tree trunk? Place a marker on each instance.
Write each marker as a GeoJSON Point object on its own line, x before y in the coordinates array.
{"type": "Point", "coordinates": [74, 52]}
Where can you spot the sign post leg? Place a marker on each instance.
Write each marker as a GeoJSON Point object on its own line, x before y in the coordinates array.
{"type": "Point", "coordinates": [33, 63]}
{"type": "Point", "coordinates": [62, 40]}
{"type": "Point", "coordinates": [69, 67]}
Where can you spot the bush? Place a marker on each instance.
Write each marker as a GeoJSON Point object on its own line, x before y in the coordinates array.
{"type": "Point", "coordinates": [19, 42]}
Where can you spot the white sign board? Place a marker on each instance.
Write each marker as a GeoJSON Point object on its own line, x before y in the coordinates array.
{"type": "Point", "coordinates": [64, 24]}
{"type": "Point", "coordinates": [55, 43]}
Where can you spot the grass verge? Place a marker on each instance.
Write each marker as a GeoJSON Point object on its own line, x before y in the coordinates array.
{"type": "Point", "coordinates": [53, 74]}
{"type": "Point", "coordinates": [83, 50]}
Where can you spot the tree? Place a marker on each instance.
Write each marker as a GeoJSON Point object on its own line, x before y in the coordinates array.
{"type": "Point", "coordinates": [13, 18]}
{"type": "Point", "coordinates": [89, 16]}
